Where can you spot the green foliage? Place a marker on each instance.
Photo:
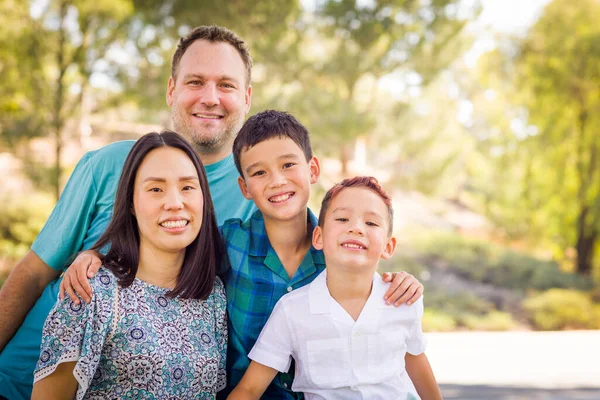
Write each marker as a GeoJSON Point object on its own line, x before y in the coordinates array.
{"type": "Point", "coordinates": [484, 262]}
{"type": "Point", "coordinates": [437, 321]}
{"type": "Point", "coordinates": [558, 309]}
{"type": "Point", "coordinates": [493, 321]}
{"type": "Point", "coordinates": [21, 219]}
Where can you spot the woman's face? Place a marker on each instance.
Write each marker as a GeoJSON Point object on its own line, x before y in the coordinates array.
{"type": "Point", "coordinates": [167, 201]}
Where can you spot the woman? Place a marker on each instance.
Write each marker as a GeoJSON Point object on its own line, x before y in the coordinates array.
{"type": "Point", "coordinates": [156, 326]}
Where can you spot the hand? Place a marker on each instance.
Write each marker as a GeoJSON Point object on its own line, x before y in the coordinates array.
{"type": "Point", "coordinates": [75, 281]}
{"type": "Point", "coordinates": [404, 288]}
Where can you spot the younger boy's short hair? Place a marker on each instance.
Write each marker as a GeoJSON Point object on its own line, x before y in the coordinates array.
{"type": "Point", "coordinates": [267, 125]}
{"type": "Point", "coordinates": [368, 182]}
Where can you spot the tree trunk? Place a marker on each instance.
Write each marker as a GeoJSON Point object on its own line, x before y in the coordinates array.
{"type": "Point", "coordinates": [59, 99]}
{"type": "Point", "coordinates": [586, 239]}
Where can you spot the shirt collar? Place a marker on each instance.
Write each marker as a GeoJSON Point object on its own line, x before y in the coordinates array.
{"type": "Point", "coordinates": [320, 299]}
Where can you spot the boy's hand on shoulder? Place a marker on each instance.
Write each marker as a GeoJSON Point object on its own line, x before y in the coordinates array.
{"type": "Point", "coordinates": [404, 288]}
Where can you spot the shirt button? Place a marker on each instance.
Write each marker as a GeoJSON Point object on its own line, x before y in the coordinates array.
{"type": "Point", "coordinates": [289, 289]}
{"type": "Point", "coordinates": [285, 385]}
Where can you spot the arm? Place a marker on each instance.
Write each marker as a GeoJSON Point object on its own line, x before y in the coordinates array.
{"type": "Point", "coordinates": [421, 374]}
{"type": "Point", "coordinates": [20, 292]}
{"type": "Point", "coordinates": [254, 382]}
{"type": "Point", "coordinates": [404, 288]}
{"type": "Point", "coordinates": [61, 384]}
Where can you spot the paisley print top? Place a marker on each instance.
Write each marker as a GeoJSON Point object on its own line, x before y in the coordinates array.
{"type": "Point", "coordinates": [137, 343]}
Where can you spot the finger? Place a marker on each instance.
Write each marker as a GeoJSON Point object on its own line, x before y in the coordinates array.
{"type": "Point", "coordinates": [81, 284]}
{"type": "Point", "coordinates": [397, 280]}
{"type": "Point", "coordinates": [94, 267]}
{"type": "Point", "coordinates": [416, 296]}
{"type": "Point", "coordinates": [71, 293]}
{"type": "Point", "coordinates": [387, 276]}
{"type": "Point", "coordinates": [407, 293]}
{"type": "Point", "coordinates": [61, 290]}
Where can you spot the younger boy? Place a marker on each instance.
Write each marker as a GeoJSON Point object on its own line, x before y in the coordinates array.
{"type": "Point", "coordinates": [346, 342]}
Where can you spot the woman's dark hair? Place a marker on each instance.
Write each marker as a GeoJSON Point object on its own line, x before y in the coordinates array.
{"type": "Point", "coordinates": [202, 256]}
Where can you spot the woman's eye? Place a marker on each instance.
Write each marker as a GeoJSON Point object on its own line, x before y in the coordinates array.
{"type": "Point", "coordinates": [155, 190]}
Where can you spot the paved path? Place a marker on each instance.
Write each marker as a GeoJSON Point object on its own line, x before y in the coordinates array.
{"type": "Point", "coordinates": [517, 365]}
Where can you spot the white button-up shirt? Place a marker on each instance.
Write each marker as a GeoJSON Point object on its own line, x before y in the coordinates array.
{"type": "Point", "coordinates": [337, 357]}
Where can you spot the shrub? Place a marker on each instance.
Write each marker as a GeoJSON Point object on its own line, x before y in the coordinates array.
{"type": "Point", "coordinates": [494, 321]}
{"type": "Point", "coordinates": [437, 321]}
{"type": "Point", "coordinates": [558, 309]}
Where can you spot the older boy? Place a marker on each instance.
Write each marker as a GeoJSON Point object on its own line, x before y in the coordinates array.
{"type": "Point", "coordinates": [347, 343]}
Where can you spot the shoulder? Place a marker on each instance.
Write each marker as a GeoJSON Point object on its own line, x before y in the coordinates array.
{"type": "Point", "coordinates": [113, 154]}
{"type": "Point", "coordinates": [237, 227]}
{"type": "Point", "coordinates": [104, 283]}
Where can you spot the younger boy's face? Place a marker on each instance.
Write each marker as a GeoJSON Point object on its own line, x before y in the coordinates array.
{"type": "Point", "coordinates": [355, 230]}
{"type": "Point", "coordinates": [277, 177]}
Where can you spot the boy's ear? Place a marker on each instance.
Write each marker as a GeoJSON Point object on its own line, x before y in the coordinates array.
{"type": "Point", "coordinates": [390, 246]}
{"type": "Point", "coordinates": [315, 169]}
{"type": "Point", "coordinates": [317, 238]}
{"type": "Point", "coordinates": [244, 188]}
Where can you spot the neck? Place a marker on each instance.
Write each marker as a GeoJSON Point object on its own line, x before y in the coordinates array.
{"type": "Point", "coordinates": [211, 156]}
{"type": "Point", "coordinates": [347, 285]}
{"type": "Point", "coordinates": [290, 240]}
{"type": "Point", "coordinates": [159, 268]}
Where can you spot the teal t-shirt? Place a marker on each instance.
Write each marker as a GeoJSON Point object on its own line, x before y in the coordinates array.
{"type": "Point", "coordinates": [76, 223]}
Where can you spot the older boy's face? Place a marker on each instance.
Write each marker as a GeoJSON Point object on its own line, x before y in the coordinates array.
{"type": "Point", "coordinates": [277, 177]}
{"type": "Point", "coordinates": [210, 97]}
{"type": "Point", "coordinates": [355, 230]}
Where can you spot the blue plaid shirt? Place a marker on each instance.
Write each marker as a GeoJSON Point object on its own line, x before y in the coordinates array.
{"type": "Point", "coordinates": [255, 281]}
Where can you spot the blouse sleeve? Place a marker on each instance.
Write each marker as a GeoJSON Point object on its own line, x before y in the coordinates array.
{"type": "Point", "coordinates": [77, 333]}
{"type": "Point", "coordinates": [220, 304]}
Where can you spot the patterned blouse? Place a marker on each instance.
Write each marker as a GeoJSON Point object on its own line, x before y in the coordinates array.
{"type": "Point", "coordinates": [137, 343]}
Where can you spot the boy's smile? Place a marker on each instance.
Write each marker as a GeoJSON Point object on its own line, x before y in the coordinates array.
{"type": "Point", "coordinates": [355, 230]}
{"type": "Point", "coordinates": [277, 177]}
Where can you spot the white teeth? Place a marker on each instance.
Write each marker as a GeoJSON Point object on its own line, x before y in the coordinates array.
{"type": "Point", "coordinates": [207, 116]}
{"type": "Point", "coordinates": [174, 224]}
{"type": "Point", "coordinates": [282, 197]}
{"type": "Point", "coordinates": [353, 246]}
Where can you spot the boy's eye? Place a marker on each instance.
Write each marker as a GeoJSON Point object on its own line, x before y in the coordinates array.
{"type": "Point", "coordinates": [369, 223]}
{"type": "Point", "coordinates": [258, 173]}
{"type": "Point", "coordinates": [288, 165]}
{"type": "Point", "coordinates": [342, 219]}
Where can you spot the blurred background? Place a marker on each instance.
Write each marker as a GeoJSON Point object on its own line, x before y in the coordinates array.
{"type": "Point", "coordinates": [480, 117]}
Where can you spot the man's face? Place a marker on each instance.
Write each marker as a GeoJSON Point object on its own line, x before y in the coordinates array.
{"type": "Point", "coordinates": [209, 97]}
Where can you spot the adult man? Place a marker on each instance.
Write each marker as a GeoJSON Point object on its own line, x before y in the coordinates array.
{"type": "Point", "coordinates": [209, 94]}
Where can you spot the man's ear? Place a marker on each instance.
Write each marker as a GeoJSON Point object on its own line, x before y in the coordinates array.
{"type": "Point", "coordinates": [317, 238]}
{"type": "Point", "coordinates": [248, 98]}
{"type": "Point", "coordinates": [390, 246]}
{"type": "Point", "coordinates": [315, 169]}
{"type": "Point", "coordinates": [244, 188]}
{"type": "Point", "coordinates": [170, 88]}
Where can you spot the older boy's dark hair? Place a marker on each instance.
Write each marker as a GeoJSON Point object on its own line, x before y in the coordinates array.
{"type": "Point", "coordinates": [202, 257]}
{"type": "Point", "coordinates": [357, 182]}
{"type": "Point", "coordinates": [270, 124]}
{"type": "Point", "coordinates": [212, 34]}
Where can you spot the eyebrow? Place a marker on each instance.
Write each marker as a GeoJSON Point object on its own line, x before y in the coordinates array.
{"type": "Point", "coordinates": [370, 213]}
{"type": "Point", "coordinates": [281, 157]}
{"type": "Point", "coordinates": [200, 76]}
{"type": "Point", "coordinates": [159, 179]}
